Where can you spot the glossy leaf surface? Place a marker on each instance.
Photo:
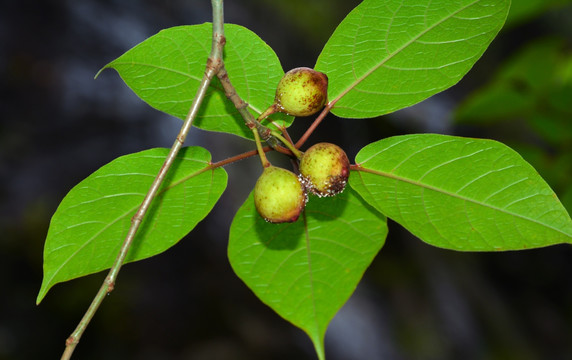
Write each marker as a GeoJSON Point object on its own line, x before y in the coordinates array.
{"type": "Point", "coordinates": [387, 55]}
{"type": "Point", "coordinates": [461, 194]}
{"type": "Point", "coordinates": [166, 69]}
{"type": "Point", "coordinates": [307, 270]}
{"type": "Point", "coordinates": [88, 228]}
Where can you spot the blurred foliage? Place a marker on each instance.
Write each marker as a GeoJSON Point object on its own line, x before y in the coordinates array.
{"type": "Point", "coordinates": [523, 10]}
{"type": "Point", "coordinates": [526, 105]}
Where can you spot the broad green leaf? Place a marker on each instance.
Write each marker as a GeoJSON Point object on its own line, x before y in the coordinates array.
{"type": "Point", "coordinates": [307, 270]}
{"type": "Point", "coordinates": [166, 69]}
{"type": "Point", "coordinates": [461, 194]}
{"type": "Point", "coordinates": [91, 222]}
{"type": "Point", "coordinates": [387, 55]}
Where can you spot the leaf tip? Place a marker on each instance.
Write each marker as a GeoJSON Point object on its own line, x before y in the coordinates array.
{"type": "Point", "coordinates": [44, 288]}
{"type": "Point", "coordinates": [41, 295]}
{"type": "Point", "coordinates": [101, 70]}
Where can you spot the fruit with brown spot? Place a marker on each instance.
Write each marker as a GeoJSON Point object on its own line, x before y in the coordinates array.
{"type": "Point", "coordinates": [301, 92]}
{"type": "Point", "coordinates": [325, 169]}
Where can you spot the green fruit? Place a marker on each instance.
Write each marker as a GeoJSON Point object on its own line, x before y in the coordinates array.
{"type": "Point", "coordinates": [301, 92]}
{"type": "Point", "coordinates": [279, 196]}
{"type": "Point", "coordinates": [324, 169]}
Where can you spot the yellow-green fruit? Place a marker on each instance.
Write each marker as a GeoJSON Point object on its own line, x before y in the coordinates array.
{"type": "Point", "coordinates": [279, 196]}
{"type": "Point", "coordinates": [301, 92]}
{"type": "Point", "coordinates": [325, 169]}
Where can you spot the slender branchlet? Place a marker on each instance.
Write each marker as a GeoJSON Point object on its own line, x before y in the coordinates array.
{"type": "Point", "coordinates": [242, 107]}
{"type": "Point", "coordinates": [288, 144]}
{"type": "Point", "coordinates": [314, 125]}
{"type": "Point", "coordinates": [261, 153]}
{"type": "Point", "coordinates": [214, 63]}
{"type": "Point", "coordinates": [214, 67]}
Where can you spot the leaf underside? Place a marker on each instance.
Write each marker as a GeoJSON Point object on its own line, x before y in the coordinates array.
{"type": "Point", "coordinates": [461, 194]}
{"type": "Point", "coordinates": [90, 224]}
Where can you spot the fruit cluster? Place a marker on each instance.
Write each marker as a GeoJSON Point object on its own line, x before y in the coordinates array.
{"type": "Point", "coordinates": [279, 194]}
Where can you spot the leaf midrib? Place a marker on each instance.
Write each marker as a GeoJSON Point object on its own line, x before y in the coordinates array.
{"type": "Point", "coordinates": [396, 52]}
{"type": "Point", "coordinates": [452, 194]}
{"type": "Point", "coordinates": [123, 216]}
{"type": "Point", "coordinates": [180, 73]}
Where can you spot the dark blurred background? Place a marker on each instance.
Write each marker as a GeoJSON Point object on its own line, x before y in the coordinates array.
{"type": "Point", "coordinates": [58, 125]}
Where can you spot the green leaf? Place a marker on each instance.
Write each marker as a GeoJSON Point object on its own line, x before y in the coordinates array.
{"type": "Point", "coordinates": [90, 224]}
{"type": "Point", "coordinates": [307, 270]}
{"type": "Point", "coordinates": [387, 55]}
{"type": "Point", "coordinates": [461, 194]}
{"type": "Point", "coordinates": [166, 69]}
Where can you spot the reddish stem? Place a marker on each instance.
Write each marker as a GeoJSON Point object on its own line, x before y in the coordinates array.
{"type": "Point", "coordinates": [314, 125]}
{"type": "Point", "coordinates": [246, 155]}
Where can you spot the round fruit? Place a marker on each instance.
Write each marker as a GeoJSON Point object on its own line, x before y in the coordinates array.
{"type": "Point", "coordinates": [325, 169]}
{"type": "Point", "coordinates": [301, 92]}
{"type": "Point", "coordinates": [279, 196]}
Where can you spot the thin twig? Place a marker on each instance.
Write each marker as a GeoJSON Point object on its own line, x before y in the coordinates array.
{"type": "Point", "coordinates": [288, 144]}
{"type": "Point", "coordinates": [284, 132]}
{"type": "Point", "coordinates": [242, 107]}
{"type": "Point", "coordinates": [314, 125]}
{"type": "Point", "coordinates": [214, 63]}
{"type": "Point", "coordinates": [243, 156]}
{"type": "Point", "coordinates": [261, 153]}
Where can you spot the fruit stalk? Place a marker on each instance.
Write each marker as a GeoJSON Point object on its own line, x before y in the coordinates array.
{"type": "Point", "coordinates": [261, 153]}
{"type": "Point", "coordinates": [288, 144]}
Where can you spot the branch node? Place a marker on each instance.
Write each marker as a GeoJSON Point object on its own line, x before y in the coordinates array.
{"type": "Point", "coordinates": [71, 341]}
{"type": "Point", "coordinates": [221, 39]}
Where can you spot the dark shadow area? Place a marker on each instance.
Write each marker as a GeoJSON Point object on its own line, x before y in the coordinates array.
{"type": "Point", "coordinates": [335, 206]}
{"type": "Point", "coordinates": [284, 236]}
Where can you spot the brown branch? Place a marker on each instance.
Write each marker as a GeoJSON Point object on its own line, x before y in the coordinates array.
{"type": "Point", "coordinates": [242, 107]}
